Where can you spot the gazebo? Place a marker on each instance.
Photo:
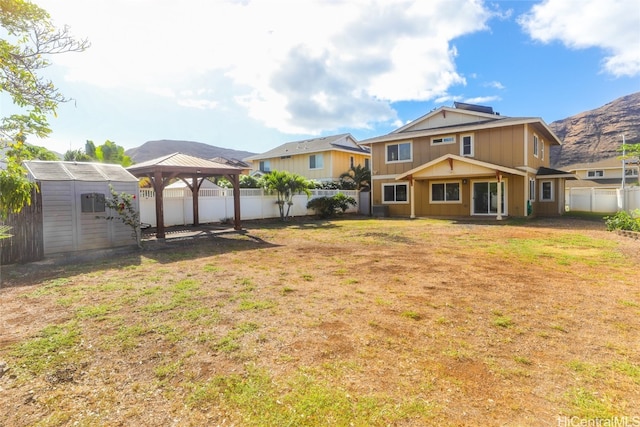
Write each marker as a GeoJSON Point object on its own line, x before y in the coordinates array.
{"type": "Point", "coordinates": [192, 170]}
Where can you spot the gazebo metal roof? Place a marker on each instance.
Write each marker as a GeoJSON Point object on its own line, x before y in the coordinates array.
{"type": "Point", "coordinates": [177, 165]}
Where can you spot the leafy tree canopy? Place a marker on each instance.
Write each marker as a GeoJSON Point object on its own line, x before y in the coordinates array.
{"type": "Point", "coordinates": [29, 40]}
{"type": "Point", "coordinates": [109, 152]}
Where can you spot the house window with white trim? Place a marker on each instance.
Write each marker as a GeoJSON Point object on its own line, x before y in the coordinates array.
{"type": "Point", "coordinates": [265, 166]}
{"type": "Point", "coordinates": [532, 189]}
{"type": "Point", "coordinates": [542, 149]}
{"type": "Point", "coordinates": [466, 146]}
{"type": "Point", "coordinates": [367, 164]}
{"type": "Point", "coordinates": [535, 145]}
{"type": "Point", "coordinates": [631, 172]}
{"type": "Point", "coordinates": [400, 152]}
{"type": "Point", "coordinates": [449, 139]}
{"type": "Point", "coordinates": [395, 193]}
{"type": "Point", "coordinates": [546, 191]}
{"type": "Point", "coordinates": [351, 161]}
{"type": "Point", "coordinates": [595, 174]}
{"type": "Point", "coordinates": [445, 192]}
{"type": "Point", "coordinates": [316, 161]}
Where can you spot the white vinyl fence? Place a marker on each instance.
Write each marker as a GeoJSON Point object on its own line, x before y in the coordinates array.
{"type": "Point", "coordinates": [216, 205]}
{"type": "Point", "coordinates": [602, 200]}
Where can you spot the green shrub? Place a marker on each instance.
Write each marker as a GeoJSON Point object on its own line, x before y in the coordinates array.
{"type": "Point", "coordinates": [623, 220]}
{"type": "Point", "coordinates": [327, 207]}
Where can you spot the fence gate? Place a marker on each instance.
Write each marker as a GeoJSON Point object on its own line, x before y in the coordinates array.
{"type": "Point", "coordinates": [26, 243]}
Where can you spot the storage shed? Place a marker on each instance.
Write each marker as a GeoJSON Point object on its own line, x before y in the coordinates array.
{"type": "Point", "coordinates": [73, 204]}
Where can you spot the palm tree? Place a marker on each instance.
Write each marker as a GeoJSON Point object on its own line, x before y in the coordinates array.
{"type": "Point", "coordinates": [358, 175]}
{"type": "Point", "coordinates": [286, 185]}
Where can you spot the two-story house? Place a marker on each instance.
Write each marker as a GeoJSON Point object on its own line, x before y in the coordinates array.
{"type": "Point", "coordinates": [467, 161]}
{"type": "Point", "coordinates": [606, 173]}
{"type": "Point", "coordinates": [320, 159]}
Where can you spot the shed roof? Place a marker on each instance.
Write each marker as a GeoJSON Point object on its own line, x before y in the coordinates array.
{"type": "Point", "coordinates": [46, 170]}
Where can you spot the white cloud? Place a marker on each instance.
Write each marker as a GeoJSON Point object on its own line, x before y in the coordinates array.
{"type": "Point", "coordinates": [612, 25]}
{"type": "Point", "coordinates": [296, 66]}
{"type": "Point", "coordinates": [494, 84]}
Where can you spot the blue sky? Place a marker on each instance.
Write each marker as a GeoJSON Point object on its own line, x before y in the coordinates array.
{"type": "Point", "coordinates": [251, 75]}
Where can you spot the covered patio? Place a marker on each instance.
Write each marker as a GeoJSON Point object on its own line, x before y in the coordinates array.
{"type": "Point", "coordinates": [192, 170]}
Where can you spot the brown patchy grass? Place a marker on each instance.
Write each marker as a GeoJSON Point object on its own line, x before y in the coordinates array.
{"type": "Point", "coordinates": [347, 322]}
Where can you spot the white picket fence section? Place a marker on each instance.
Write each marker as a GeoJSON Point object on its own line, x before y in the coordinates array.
{"type": "Point", "coordinates": [216, 205]}
{"type": "Point", "coordinates": [602, 200]}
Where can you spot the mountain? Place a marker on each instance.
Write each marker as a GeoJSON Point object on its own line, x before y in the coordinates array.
{"type": "Point", "coordinates": [153, 149]}
{"type": "Point", "coordinates": [597, 134]}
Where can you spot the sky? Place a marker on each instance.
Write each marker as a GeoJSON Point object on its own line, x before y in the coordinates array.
{"type": "Point", "coordinates": [253, 74]}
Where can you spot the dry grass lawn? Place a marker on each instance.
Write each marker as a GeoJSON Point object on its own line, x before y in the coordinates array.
{"type": "Point", "coordinates": [355, 321]}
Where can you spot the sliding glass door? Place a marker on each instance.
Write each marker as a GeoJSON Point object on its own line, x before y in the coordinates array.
{"type": "Point", "coordinates": [485, 198]}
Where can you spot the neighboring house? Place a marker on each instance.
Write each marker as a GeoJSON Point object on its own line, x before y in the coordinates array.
{"type": "Point", "coordinates": [321, 159]}
{"type": "Point", "coordinates": [246, 167]}
{"type": "Point", "coordinates": [605, 173]}
{"type": "Point", "coordinates": [461, 161]}
{"type": "Point", "coordinates": [73, 204]}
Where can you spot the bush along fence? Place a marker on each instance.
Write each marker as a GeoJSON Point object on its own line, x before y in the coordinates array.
{"type": "Point", "coordinates": [216, 205]}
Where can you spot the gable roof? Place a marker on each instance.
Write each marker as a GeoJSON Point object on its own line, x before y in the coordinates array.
{"type": "Point", "coordinates": [182, 163]}
{"type": "Point", "coordinates": [480, 166]}
{"type": "Point", "coordinates": [342, 142]}
{"type": "Point", "coordinates": [459, 121]}
{"type": "Point", "coordinates": [47, 170]}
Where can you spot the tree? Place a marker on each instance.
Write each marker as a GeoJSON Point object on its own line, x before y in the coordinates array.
{"type": "Point", "coordinates": [76, 155]}
{"type": "Point", "coordinates": [109, 152]}
{"type": "Point", "coordinates": [286, 185]}
{"type": "Point", "coordinates": [358, 175]}
{"type": "Point", "coordinates": [31, 39]}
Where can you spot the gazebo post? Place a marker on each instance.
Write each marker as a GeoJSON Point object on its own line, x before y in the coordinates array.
{"type": "Point", "coordinates": [236, 201]}
{"type": "Point", "coordinates": [195, 190]}
{"type": "Point", "coordinates": [158, 186]}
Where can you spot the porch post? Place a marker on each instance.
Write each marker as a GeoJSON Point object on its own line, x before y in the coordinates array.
{"type": "Point", "coordinates": [413, 198]}
{"type": "Point", "coordinates": [499, 176]}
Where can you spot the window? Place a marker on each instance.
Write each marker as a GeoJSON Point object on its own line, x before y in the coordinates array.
{"type": "Point", "coordinates": [92, 202]}
{"type": "Point", "coordinates": [542, 149]}
{"type": "Point", "coordinates": [535, 145]}
{"type": "Point", "coordinates": [399, 152]}
{"type": "Point", "coordinates": [316, 161]}
{"type": "Point", "coordinates": [546, 191]}
{"type": "Point", "coordinates": [443, 192]}
{"type": "Point", "coordinates": [443, 140]}
{"type": "Point", "coordinates": [366, 164]}
{"type": "Point", "coordinates": [265, 166]}
{"type": "Point", "coordinates": [285, 157]}
{"type": "Point", "coordinates": [595, 174]}
{"type": "Point", "coordinates": [631, 172]}
{"type": "Point", "coordinates": [351, 162]}
{"type": "Point", "coordinates": [466, 147]}
{"type": "Point", "coordinates": [394, 193]}
{"type": "Point", "coordinates": [532, 189]}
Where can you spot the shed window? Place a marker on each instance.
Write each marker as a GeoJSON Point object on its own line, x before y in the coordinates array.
{"type": "Point", "coordinates": [92, 202]}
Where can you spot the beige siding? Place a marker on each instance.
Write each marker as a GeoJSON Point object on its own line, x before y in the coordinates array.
{"type": "Point", "coordinates": [334, 164]}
